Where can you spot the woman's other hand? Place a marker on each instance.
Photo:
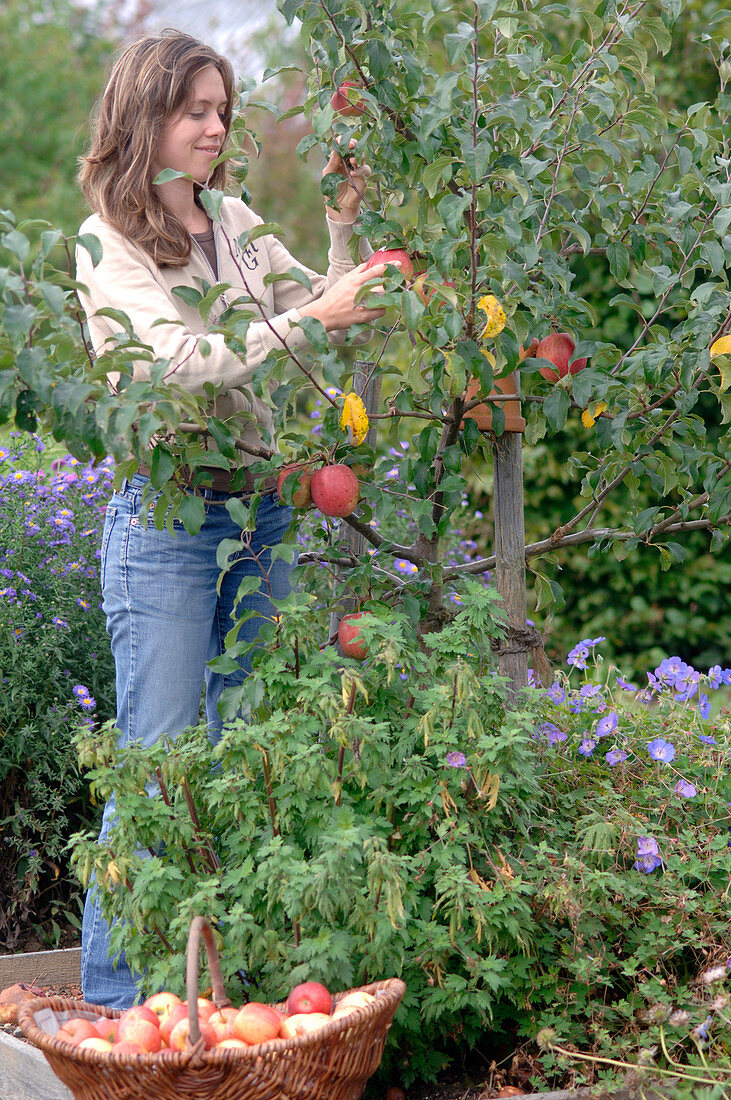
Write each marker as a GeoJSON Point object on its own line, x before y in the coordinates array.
{"type": "Point", "coordinates": [337, 308]}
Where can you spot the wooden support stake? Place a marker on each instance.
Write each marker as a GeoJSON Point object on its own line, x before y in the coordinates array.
{"type": "Point", "coordinates": [510, 550]}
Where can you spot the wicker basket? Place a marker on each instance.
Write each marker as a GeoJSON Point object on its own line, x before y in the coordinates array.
{"type": "Point", "coordinates": [331, 1064]}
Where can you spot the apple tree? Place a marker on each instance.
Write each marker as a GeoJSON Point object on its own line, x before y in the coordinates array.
{"type": "Point", "coordinates": [510, 144]}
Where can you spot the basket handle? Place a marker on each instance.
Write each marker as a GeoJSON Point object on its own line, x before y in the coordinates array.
{"type": "Point", "coordinates": [200, 925]}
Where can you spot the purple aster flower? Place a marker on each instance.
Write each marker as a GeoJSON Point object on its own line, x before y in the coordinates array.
{"type": "Point", "coordinates": [685, 789]}
{"type": "Point", "coordinates": [456, 759]}
{"type": "Point", "coordinates": [661, 750]}
{"type": "Point", "coordinates": [60, 624]}
{"type": "Point", "coordinates": [704, 706]}
{"type": "Point", "coordinates": [403, 566]}
{"type": "Point", "coordinates": [615, 756]}
{"type": "Point", "coordinates": [587, 746]}
{"type": "Point", "coordinates": [607, 725]}
{"type": "Point", "coordinates": [80, 691]}
{"type": "Point", "coordinates": [87, 702]}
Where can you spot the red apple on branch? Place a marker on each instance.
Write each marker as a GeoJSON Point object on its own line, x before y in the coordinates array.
{"type": "Point", "coordinates": [392, 256]}
{"type": "Point", "coordinates": [335, 490]}
{"type": "Point", "coordinates": [309, 997]}
{"type": "Point", "coordinates": [557, 347]}
{"type": "Point", "coordinates": [348, 637]}
{"type": "Point", "coordinates": [346, 100]}
{"type": "Point", "coordinates": [302, 478]}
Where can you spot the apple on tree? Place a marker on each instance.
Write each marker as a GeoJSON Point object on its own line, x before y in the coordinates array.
{"type": "Point", "coordinates": [348, 637]}
{"type": "Point", "coordinates": [396, 256]}
{"type": "Point", "coordinates": [301, 483]}
{"type": "Point", "coordinates": [557, 347]}
{"type": "Point", "coordinates": [347, 100]}
{"type": "Point", "coordinates": [335, 490]}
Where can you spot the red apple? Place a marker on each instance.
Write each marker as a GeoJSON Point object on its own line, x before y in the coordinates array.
{"type": "Point", "coordinates": [107, 1028]}
{"type": "Point", "coordinates": [301, 494]}
{"type": "Point", "coordinates": [95, 1042]}
{"type": "Point", "coordinates": [179, 1035]}
{"type": "Point", "coordinates": [128, 1047]}
{"type": "Point", "coordinates": [162, 1004]}
{"type": "Point", "coordinates": [335, 490]}
{"type": "Point", "coordinates": [140, 1025]}
{"type": "Point", "coordinates": [179, 1012]}
{"type": "Point", "coordinates": [76, 1029]}
{"type": "Point", "coordinates": [426, 293]}
{"type": "Point", "coordinates": [232, 1044]}
{"type": "Point", "coordinates": [348, 633]}
{"type": "Point", "coordinates": [206, 1008]}
{"type": "Point", "coordinates": [392, 256]}
{"type": "Point", "coordinates": [256, 1023]}
{"type": "Point", "coordinates": [311, 996]}
{"type": "Point", "coordinates": [302, 1023]}
{"type": "Point", "coordinates": [558, 347]}
{"type": "Point", "coordinates": [221, 1023]}
{"type": "Point", "coordinates": [346, 100]}
{"type": "Point", "coordinates": [359, 998]}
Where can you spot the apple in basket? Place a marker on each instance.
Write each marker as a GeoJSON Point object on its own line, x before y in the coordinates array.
{"type": "Point", "coordinates": [221, 1023]}
{"type": "Point", "coordinates": [256, 1023]}
{"type": "Point", "coordinates": [359, 998]}
{"type": "Point", "coordinates": [309, 997]}
{"type": "Point", "coordinates": [107, 1028]}
{"type": "Point", "coordinates": [162, 1004]}
{"type": "Point", "coordinates": [302, 1023]}
{"type": "Point", "coordinates": [76, 1029]}
{"type": "Point", "coordinates": [140, 1025]}
{"type": "Point", "coordinates": [95, 1042]}
{"type": "Point", "coordinates": [179, 1012]}
{"type": "Point", "coordinates": [179, 1035]}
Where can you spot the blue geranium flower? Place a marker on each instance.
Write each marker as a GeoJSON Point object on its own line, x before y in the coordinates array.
{"type": "Point", "coordinates": [607, 725]}
{"type": "Point", "coordinates": [587, 746]}
{"type": "Point", "coordinates": [661, 750]}
{"type": "Point", "coordinates": [456, 759]}
{"type": "Point", "coordinates": [648, 855]}
{"type": "Point", "coordinates": [685, 789]}
{"type": "Point", "coordinates": [615, 756]}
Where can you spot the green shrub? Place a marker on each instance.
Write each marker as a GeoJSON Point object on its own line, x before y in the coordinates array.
{"type": "Point", "coordinates": [395, 817]}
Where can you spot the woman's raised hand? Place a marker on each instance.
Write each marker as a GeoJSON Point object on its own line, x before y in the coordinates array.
{"type": "Point", "coordinates": [350, 192]}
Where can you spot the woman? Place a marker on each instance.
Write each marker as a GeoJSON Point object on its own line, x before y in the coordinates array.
{"type": "Point", "coordinates": [168, 105]}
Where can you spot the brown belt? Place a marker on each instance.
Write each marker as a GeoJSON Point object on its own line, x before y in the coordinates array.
{"type": "Point", "coordinates": [221, 482]}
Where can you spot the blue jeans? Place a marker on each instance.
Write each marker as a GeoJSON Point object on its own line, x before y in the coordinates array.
{"type": "Point", "coordinates": [166, 621]}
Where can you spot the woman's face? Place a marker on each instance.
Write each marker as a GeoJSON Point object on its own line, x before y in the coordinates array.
{"type": "Point", "coordinates": [193, 137]}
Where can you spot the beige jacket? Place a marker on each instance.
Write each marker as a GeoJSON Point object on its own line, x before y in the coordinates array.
{"type": "Point", "coordinates": [128, 280]}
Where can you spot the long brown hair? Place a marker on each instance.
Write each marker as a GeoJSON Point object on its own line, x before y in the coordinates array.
{"type": "Point", "coordinates": [150, 81]}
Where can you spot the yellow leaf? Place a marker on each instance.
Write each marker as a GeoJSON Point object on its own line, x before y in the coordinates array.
{"type": "Point", "coordinates": [721, 347]}
{"type": "Point", "coordinates": [354, 418]}
{"type": "Point", "coordinates": [588, 418]}
{"type": "Point", "coordinates": [721, 350]}
{"type": "Point", "coordinates": [496, 319]}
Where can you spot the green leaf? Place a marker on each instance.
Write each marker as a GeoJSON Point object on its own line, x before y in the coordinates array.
{"type": "Point", "coordinates": [169, 174]}
{"type": "Point", "coordinates": [556, 407]}
{"type": "Point", "coordinates": [618, 259]}
{"type": "Point", "coordinates": [93, 246]}
{"type": "Point", "coordinates": [162, 466]}
{"type": "Point", "coordinates": [291, 275]}
{"type": "Point", "coordinates": [440, 169]}
{"type": "Point", "coordinates": [192, 513]}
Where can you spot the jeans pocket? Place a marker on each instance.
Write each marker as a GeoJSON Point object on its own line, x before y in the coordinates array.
{"type": "Point", "coordinates": [109, 521]}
